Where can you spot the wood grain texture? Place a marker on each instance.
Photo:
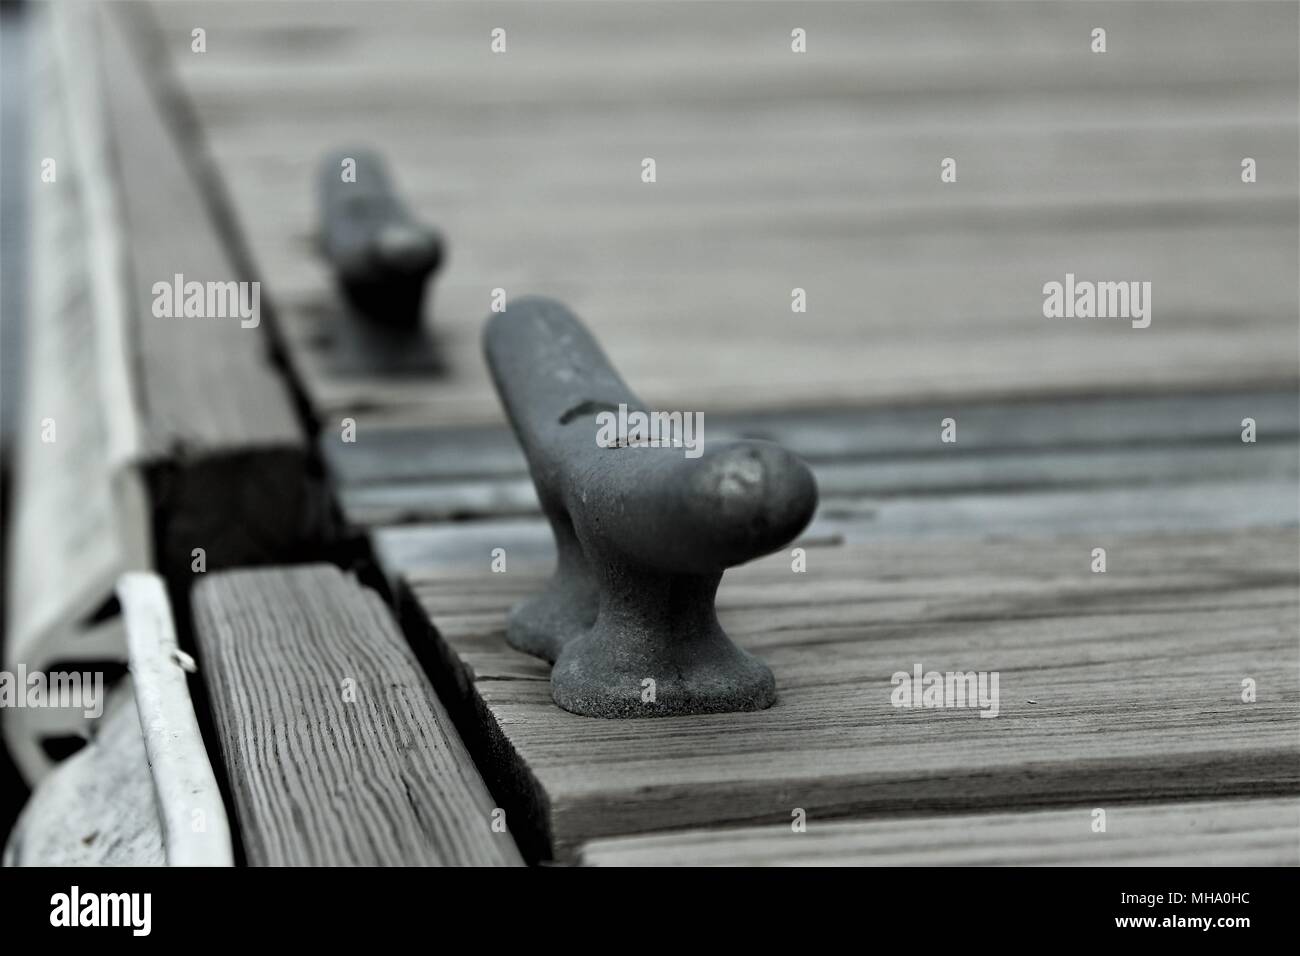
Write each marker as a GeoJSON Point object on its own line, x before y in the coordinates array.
{"type": "Point", "coordinates": [1199, 834]}
{"type": "Point", "coordinates": [776, 171]}
{"type": "Point", "coordinates": [1114, 687]}
{"type": "Point", "coordinates": [97, 808]}
{"type": "Point", "coordinates": [380, 779]}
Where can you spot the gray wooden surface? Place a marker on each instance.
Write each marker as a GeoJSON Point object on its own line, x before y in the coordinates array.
{"type": "Point", "coordinates": [778, 170]}
{"type": "Point", "coordinates": [205, 383]}
{"type": "Point", "coordinates": [335, 747]}
{"type": "Point", "coordinates": [215, 435]}
{"type": "Point", "coordinates": [1213, 833]}
{"type": "Point", "coordinates": [821, 171]}
{"type": "Point", "coordinates": [1114, 687]}
{"type": "Point", "coordinates": [872, 461]}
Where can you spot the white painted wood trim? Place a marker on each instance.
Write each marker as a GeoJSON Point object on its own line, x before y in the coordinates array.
{"type": "Point", "coordinates": [80, 69]}
{"type": "Point", "coordinates": [196, 831]}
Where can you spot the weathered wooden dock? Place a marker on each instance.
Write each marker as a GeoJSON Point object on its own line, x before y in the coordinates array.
{"type": "Point", "coordinates": [1161, 690]}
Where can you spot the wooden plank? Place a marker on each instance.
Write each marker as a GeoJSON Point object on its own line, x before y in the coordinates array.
{"type": "Point", "coordinates": [1212, 833]}
{"type": "Point", "coordinates": [1169, 508]}
{"type": "Point", "coordinates": [872, 47]}
{"type": "Point", "coordinates": [1118, 686]}
{"type": "Point", "coordinates": [336, 748]}
{"type": "Point", "coordinates": [97, 807]}
{"type": "Point", "coordinates": [206, 383]}
{"type": "Point", "coordinates": [853, 488]}
{"type": "Point", "coordinates": [203, 421]}
{"type": "Point", "coordinates": [393, 456]}
{"type": "Point", "coordinates": [1122, 164]}
{"type": "Point", "coordinates": [865, 456]}
{"type": "Point", "coordinates": [145, 437]}
{"type": "Point", "coordinates": [1193, 506]}
{"type": "Point", "coordinates": [190, 808]}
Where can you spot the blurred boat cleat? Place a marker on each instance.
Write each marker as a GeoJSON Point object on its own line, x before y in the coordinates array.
{"type": "Point", "coordinates": [381, 255]}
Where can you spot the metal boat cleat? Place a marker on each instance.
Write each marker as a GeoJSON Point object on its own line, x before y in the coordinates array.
{"type": "Point", "coordinates": [643, 532]}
